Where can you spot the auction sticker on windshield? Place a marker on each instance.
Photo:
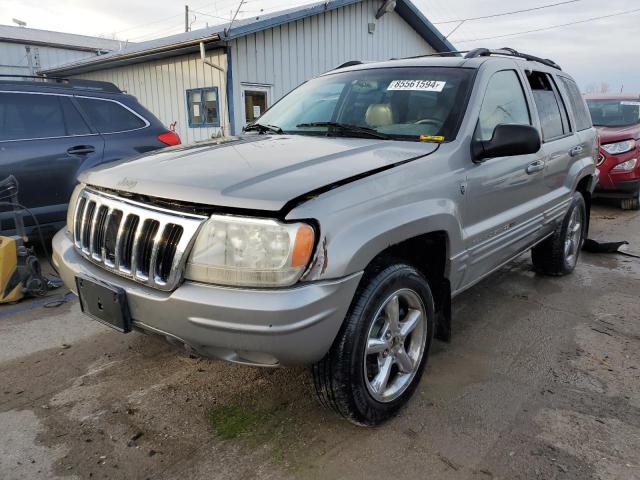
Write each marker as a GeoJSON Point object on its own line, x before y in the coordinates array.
{"type": "Point", "coordinates": [422, 85]}
{"type": "Point", "coordinates": [629, 103]}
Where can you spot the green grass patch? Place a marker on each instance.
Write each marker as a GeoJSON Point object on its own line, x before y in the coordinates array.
{"type": "Point", "coordinates": [233, 421]}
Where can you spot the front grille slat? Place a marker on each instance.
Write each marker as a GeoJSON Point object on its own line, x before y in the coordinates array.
{"type": "Point", "coordinates": [86, 225]}
{"type": "Point", "coordinates": [145, 243]}
{"type": "Point", "coordinates": [157, 242]}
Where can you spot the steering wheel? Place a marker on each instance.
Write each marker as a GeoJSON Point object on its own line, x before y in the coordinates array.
{"type": "Point", "coordinates": [429, 121]}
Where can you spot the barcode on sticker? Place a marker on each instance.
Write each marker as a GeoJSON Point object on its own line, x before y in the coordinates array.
{"type": "Point", "coordinates": [422, 85]}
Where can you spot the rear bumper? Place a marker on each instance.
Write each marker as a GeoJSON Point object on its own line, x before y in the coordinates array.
{"type": "Point", "coordinates": [265, 327]}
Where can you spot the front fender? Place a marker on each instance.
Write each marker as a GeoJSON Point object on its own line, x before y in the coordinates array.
{"type": "Point", "coordinates": [360, 220]}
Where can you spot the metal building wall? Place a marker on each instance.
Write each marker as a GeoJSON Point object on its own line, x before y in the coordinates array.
{"type": "Point", "coordinates": [285, 56]}
{"type": "Point", "coordinates": [161, 86]}
{"type": "Point", "coordinates": [14, 61]}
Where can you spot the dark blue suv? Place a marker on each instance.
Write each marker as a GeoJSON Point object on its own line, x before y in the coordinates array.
{"type": "Point", "coordinates": [53, 129]}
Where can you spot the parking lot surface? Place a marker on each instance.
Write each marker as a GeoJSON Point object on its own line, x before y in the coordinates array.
{"type": "Point", "coordinates": [541, 380]}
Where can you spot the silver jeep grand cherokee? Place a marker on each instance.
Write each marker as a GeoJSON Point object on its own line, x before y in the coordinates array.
{"type": "Point", "coordinates": [337, 229]}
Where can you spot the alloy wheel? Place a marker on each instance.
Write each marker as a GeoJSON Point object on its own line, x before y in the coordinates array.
{"type": "Point", "coordinates": [395, 345]}
{"type": "Point", "coordinates": [573, 238]}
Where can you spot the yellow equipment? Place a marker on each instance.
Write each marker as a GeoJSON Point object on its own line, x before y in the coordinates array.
{"type": "Point", "coordinates": [20, 272]}
{"type": "Point", "coordinates": [10, 285]}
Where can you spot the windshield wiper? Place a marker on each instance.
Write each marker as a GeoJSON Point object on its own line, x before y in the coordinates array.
{"type": "Point", "coordinates": [345, 127]}
{"type": "Point", "coordinates": [262, 128]}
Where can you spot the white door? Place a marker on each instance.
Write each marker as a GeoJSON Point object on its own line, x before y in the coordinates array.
{"type": "Point", "coordinates": [256, 99]}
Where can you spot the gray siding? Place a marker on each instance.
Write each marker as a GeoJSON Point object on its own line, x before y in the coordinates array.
{"type": "Point", "coordinates": [283, 57]}
{"type": "Point", "coordinates": [161, 87]}
{"type": "Point", "coordinates": [14, 61]}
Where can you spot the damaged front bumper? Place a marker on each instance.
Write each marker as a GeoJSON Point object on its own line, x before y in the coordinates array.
{"type": "Point", "coordinates": [264, 327]}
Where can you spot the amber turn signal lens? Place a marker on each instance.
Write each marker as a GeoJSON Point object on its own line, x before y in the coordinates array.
{"type": "Point", "coordinates": [303, 246]}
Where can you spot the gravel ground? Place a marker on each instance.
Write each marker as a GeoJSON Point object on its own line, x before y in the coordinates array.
{"type": "Point", "coordinates": [541, 380]}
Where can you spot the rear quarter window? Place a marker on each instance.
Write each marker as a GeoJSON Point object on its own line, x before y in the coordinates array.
{"type": "Point", "coordinates": [577, 103]}
{"type": "Point", "coordinates": [109, 117]}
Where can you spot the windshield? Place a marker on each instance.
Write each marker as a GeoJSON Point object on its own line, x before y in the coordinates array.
{"type": "Point", "coordinates": [614, 113]}
{"type": "Point", "coordinates": [398, 103]}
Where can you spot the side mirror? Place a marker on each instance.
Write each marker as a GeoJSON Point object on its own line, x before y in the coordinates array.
{"type": "Point", "coordinates": [507, 141]}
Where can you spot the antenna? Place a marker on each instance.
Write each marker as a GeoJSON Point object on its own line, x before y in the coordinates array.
{"type": "Point", "coordinates": [228, 29]}
{"type": "Point", "coordinates": [20, 23]}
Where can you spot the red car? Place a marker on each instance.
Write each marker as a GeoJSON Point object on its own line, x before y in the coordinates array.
{"type": "Point", "coordinates": [617, 118]}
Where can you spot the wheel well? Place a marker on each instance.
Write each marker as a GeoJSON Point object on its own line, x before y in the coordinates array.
{"type": "Point", "coordinates": [428, 253]}
{"type": "Point", "coordinates": [583, 188]}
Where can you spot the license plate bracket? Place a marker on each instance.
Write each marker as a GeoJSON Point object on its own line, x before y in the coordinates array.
{"type": "Point", "coordinates": [104, 302]}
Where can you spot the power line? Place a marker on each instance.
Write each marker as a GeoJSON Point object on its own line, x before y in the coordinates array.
{"type": "Point", "coordinates": [161, 20]}
{"type": "Point", "coordinates": [513, 12]}
{"type": "Point", "coordinates": [550, 27]}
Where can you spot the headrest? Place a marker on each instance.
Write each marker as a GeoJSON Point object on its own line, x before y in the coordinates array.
{"type": "Point", "coordinates": [379, 115]}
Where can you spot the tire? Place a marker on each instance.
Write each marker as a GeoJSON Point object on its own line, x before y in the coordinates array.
{"type": "Point", "coordinates": [632, 203]}
{"type": "Point", "coordinates": [350, 378]}
{"type": "Point", "coordinates": [558, 254]}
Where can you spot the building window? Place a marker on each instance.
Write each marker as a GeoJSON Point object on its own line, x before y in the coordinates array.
{"type": "Point", "coordinates": [202, 105]}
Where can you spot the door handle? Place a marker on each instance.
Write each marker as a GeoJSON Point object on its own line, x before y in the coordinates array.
{"type": "Point", "coordinates": [575, 151]}
{"type": "Point", "coordinates": [536, 166]}
{"type": "Point", "coordinates": [81, 150]}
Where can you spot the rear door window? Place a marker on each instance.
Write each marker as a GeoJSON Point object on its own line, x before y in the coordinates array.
{"type": "Point", "coordinates": [577, 103]}
{"type": "Point", "coordinates": [504, 103]}
{"type": "Point", "coordinates": [74, 123]}
{"type": "Point", "coordinates": [109, 117]}
{"type": "Point", "coordinates": [551, 109]}
{"type": "Point", "coordinates": [26, 116]}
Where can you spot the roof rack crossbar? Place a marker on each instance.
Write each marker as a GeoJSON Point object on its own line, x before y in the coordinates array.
{"type": "Point", "coordinates": [510, 52]}
{"type": "Point", "coordinates": [92, 85]}
{"type": "Point", "coordinates": [349, 63]}
{"type": "Point", "coordinates": [451, 53]}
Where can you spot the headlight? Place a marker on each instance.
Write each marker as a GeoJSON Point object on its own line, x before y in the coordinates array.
{"type": "Point", "coordinates": [250, 252]}
{"type": "Point", "coordinates": [626, 166]}
{"type": "Point", "coordinates": [71, 209]}
{"type": "Point", "coordinates": [619, 147]}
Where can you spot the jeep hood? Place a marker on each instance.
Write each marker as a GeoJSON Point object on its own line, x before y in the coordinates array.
{"type": "Point", "coordinates": [253, 172]}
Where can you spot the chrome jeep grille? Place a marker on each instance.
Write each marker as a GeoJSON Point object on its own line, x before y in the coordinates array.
{"type": "Point", "coordinates": [141, 242]}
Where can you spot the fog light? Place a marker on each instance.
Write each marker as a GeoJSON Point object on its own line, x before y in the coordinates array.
{"type": "Point", "coordinates": [626, 166]}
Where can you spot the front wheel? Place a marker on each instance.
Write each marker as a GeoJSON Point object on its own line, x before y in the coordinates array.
{"type": "Point", "coordinates": [558, 254]}
{"type": "Point", "coordinates": [376, 362]}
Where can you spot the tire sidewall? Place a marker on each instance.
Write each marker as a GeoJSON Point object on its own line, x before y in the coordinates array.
{"type": "Point", "coordinates": [578, 202]}
{"type": "Point", "coordinates": [387, 281]}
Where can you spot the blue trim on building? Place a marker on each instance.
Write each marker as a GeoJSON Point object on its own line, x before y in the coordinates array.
{"type": "Point", "coordinates": [414, 17]}
{"type": "Point", "coordinates": [202, 107]}
{"type": "Point", "coordinates": [405, 8]}
{"type": "Point", "coordinates": [232, 117]}
{"type": "Point", "coordinates": [188, 42]}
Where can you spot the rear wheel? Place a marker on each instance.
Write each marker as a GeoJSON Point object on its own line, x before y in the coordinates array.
{"type": "Point", "coordinates": [376, 362]}
{"type": "Point", "coordinates": [632, 203]}
{"type": "Point", "coordinates": [558, 254]}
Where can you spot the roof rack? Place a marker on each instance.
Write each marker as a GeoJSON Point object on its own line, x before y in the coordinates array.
{"type": "Point", "coordinates": [91, 85]}
{"type": "Point", "coordinates": [452, 53]}
{"type": "Point", "coordinates": [485, 52]}
{"type": "Point", "coordinates": [510, 52]}
{"type": "Point", "coordinates": [350, 63]}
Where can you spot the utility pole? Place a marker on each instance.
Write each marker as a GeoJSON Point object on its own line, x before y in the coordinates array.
{"type": "Point", "coordinates": [186, 18]}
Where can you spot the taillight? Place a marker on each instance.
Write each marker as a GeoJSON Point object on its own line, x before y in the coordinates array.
{"type": "Point", "coordinates": [169, 138]}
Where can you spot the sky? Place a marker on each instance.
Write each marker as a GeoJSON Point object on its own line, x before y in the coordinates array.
{"type": "Point", "coordinates": [600, 53]}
